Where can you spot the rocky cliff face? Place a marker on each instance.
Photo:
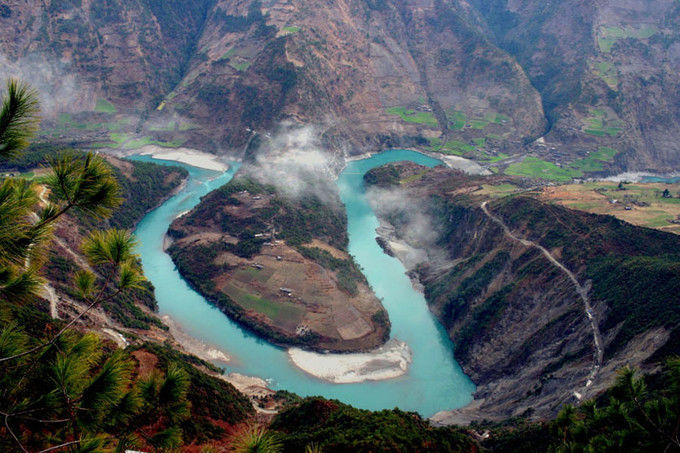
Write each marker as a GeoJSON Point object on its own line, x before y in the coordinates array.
{"type": "Point", "coordinates": [373, 73]}
{"type": "Point", "coordinates": [606, 71]}
{"type": "Point", "coordinates": [130, 53]}
{"type": "Point", "coordinates": [523, 329]}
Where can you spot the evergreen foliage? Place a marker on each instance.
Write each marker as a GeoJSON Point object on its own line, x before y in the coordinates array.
{"type": "Point", "coordinates": [61, 389]}
{"type": "Point", "coordinates": [18, 118]}
{"type": "Point", "coordinates": [335, 427]}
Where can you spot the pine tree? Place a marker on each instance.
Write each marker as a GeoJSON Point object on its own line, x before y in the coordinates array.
{"type": "Point", "coordinates": [59, 388]}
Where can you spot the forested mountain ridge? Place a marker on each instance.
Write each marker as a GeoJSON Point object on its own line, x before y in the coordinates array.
{"type": "Point", "coordinates": [479, 79]}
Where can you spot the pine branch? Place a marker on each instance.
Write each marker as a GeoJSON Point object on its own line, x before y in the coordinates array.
{"type": "Point", "coordinates": [56, 337]}
{"type": "Point", "coordinates": [12, 433]}
{"type": "Point", "coordinates": [57, 447]}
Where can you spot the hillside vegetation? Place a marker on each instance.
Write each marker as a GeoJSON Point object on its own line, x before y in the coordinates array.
{"type": "Point", "coordinates": [518, 323]}
{"type": "Point", "coordinates": [62, 386]}
{"type": "Point", "coordinates": [279, 265]}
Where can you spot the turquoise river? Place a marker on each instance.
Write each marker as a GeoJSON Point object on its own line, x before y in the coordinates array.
{"type": "Point", "coordinates": [434, 381]}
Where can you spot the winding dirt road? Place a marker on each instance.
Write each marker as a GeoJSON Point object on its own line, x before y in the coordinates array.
{"type": "Point", "coordinates": [582, 291]}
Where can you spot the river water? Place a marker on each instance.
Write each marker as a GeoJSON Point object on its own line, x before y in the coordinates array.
{"type": "Point", "coordinates": [434, 381]}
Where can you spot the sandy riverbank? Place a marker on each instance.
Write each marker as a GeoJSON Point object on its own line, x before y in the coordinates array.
{"type": "Point", "coordinates": [193, 345]}
{"type": "Point", "coordinates": [187, 156]}
{"type": "Point", "coordinates": [637, 176]}
{"type": "Point", "coordinates": [468, 166]}
{"type": "Point", "coordinates": [390, 361]}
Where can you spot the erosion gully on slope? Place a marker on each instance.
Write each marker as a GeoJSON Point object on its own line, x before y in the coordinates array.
{"type": "Point", "coordinates": [582, 291]}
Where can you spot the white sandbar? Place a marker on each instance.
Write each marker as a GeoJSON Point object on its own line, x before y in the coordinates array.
{"type": "Point", "coordinates": [388, 362]}
{"type": "Point", "coordinates": [187, 156]}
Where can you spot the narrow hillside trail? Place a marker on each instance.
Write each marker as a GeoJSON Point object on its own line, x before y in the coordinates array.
{"type": "Point", "coordinates": [582, 291]}
{"type": "Point", "coordinates": [51, 295]}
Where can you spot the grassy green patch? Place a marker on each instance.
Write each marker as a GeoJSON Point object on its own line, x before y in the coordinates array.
{"type": "Point", "coordinates": [600, 125]}
{"type": "Point", "coordinates": [291, 29]}
{"type": "Point", "coordinates": [480, 142]}
{"type": "Point", "coordinates": [608, 36]}
{"type": "Point", "coordinates": [607, 72]}
{"type": "Point", "coordinates": [230, 53]}
{"type": "Point", "coordinates": [478, 123]}
{"type": "Point", "coordinates": [532, 167]}
{"type": "Point", "coordinates": [411, 116]}
{"type": "Point", "coordinates": [184, 126]}
{"type": "Point", "coordinates": [594, 162]}
{"type": "Point", "coordinates": [124, 140]}
{"type": "Point", "coordinates": [163, 127]}
{"type": "Point", "coordinates": [499, 190]}
{"type": "Point", "coordinates": [119, 138]}
{"type": "Point", "coordinates": [457, 120]}
{"type": "Point", "coordinates": [249, 274]}
{"type": "Point", "coordinates": [413, 178]}
{"type": "Point", "coordinates": [435, 142]}
{"type": "Point", "coordinates": [66, 121]}
{"type": "Point", "coordinates": [584, 206]}
{"type": "Point", "coordinates": [497, 158]}
{"type": "Point", "coordinates": [240, 66]}
{"type": "Point", "coordinates": [276, 311]}
{"type": "Point", "coordinates": [456, 147]}
{"type": "Point", "coordinates": [104, 106]}
{"type": "Point", "coordinates": [500, 118]}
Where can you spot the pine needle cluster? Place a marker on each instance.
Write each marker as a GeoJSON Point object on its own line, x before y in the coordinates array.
{"type": "Point", "coordinates": [61, 388]}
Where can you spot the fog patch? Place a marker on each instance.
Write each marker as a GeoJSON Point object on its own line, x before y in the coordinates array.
{"type": "Point", "coordinates": [294, 161]}
{"type": "Point", "coordinates": [409, 216]}
{"type": "Point", "coordinates": [58, 87]}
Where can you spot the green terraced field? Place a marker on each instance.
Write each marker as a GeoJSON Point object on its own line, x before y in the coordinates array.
{"type": "Point", "coordinates": [533, 167]}
{"type": "Point", "coordinates": [104, 106]}
{"type": "Point", "coordinates": [280, 312]}
{"type": "Point", "coordinates": [230, 53]}
{"type": "Point", "coordinates": [594, 162]}
{"type": "Point", "coordinates": [128, 141]}
{"type": "Point", "coordinates": [607, 72]}
{"type": "Point", "coordinates": [65, 121]}
{"type": "Point", "coordinates": [600, 125]}
{"type": "Point", "coordinates": [411, 116]}
{"type": "Point", "coordinates": [161, 128]}
{"type": "Point", "coordinates": [478, 124]}
{"type": "Point", "coordinates": [291, 29]}
{"type": "Point", "coordinates": [241, 66]}
{"type": "Point", "coordinates": [608, 36]}
{"type": "Point", "coordinates": [457, 120]}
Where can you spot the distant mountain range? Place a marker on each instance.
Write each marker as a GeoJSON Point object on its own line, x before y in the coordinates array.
{"type": "Point", "coordinates": [483, 79]}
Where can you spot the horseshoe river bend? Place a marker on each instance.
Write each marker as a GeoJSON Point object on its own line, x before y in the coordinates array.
{"type": "Point", "coordinates": [433, 380]}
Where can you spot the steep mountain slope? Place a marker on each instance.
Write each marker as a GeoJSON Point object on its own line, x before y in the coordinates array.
{"type": "Point", "coordinates": [543, 303]}
{"type": "Point", "coordinates": [144, 186]}
{"type": "Point", "coordinates": [607, 72]}
{"type": "Point", "coordinates": [482, 79]}
{"type": "Point", "coordinates": [128, 52]}
{"type": "Point", "coordinates": [373, 73]}
{"type": "Point", "coordinates": [354, 67]}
